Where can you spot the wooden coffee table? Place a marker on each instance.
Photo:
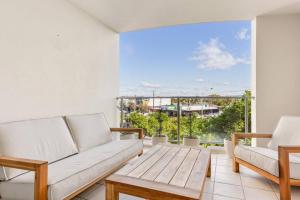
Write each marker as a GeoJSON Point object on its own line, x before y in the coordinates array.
{"type": "Point", "coordinates": [165, 172]}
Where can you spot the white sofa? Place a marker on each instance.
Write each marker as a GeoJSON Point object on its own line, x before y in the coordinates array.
{"type": "Point", "coordinates": [79, 151]}
{"type": "Point", "coordinates": [280, 160]}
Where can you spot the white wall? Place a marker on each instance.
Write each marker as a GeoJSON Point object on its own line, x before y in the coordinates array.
{"type": "Point", "coordinates": [55, 60]}
{"type": "Point", "coordinates": [276, 70]}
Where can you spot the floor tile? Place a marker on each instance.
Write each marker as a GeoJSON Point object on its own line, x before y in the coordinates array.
{"type": "Point", "coordinates": [228, 190]}
{"type": "Point", "coordinates": [97, 192]}
{"type": "Point", "coordinates": [128, 197]}
{"type": "Point", "coordinates": [225, 162]}
{"type": "Point", "coordinates": [255, 194]}
{"type": "Point", "coordinates": [94, 193]}
{"type": "Point", "coordinates": [213, 172]}
{"type": "Point", "coordinates": [213, 161]}
{"type": "Point", "coordinates": [206, 196]}
{"type": "Point", "coordinates": [233, 179]}
{"type": "Point", "coordinates": [213, 168]}
{"type": "Point", "coordinates": [274, 186]}
{"type": "Point", "coordinates": [295, 191]}
{"type": "Point", "coordinates": [223, 185]}
{"type": "Point", "coordinates": [223, 157]}
{"type": "Point", "coordinates": [218, 197]}
{"type": "Point", "coordinates": [209, 186]}
{"type": "Point", "coordinates": [256, 182]}
{"type": "Point", "coordinates": [248, 172]}
{"type": "Point", "coordinates": [224, 169]}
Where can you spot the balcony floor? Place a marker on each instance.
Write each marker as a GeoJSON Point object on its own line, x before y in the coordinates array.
{"type": "Point", "coordinates": [223, 185]}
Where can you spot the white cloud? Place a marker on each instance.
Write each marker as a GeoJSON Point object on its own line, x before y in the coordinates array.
{"type": "Point", "coordinates": [149, 85]}
{"type": "Point", "coordinates": [214, 55]}
{"type": "Point", "coordinates": [199, 80]}
{"type": "Point", "coordinates": [243, 34]}
{"type": "Point", "coordinates": [203, 90]}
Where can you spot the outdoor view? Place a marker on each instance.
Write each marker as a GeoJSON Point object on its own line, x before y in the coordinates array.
{"type": "Point", "coordinates": [188, 81]}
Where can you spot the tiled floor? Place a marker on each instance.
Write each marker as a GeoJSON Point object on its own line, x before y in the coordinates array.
{"type": "Point", "coordinates": [223, 185]}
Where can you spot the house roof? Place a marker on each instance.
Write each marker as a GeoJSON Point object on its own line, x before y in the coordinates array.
{"type": "Point", "coordinates": [129, 15]}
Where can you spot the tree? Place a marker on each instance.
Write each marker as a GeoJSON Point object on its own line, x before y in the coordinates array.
{"type": "Point", "coordinates": [153, 124]}
{"type": "Point", "coordinates": [230, 119]}
{"type": "Point", "coordinates": [131, 106]}
{"type": "Point", "coordinates": [143, 107]}
{"type": "Point", "coordinates": [138, 120]}
{"type": "Point", "coordinates": [170, 128]}
{"type": "Point", "coordinates": [189, 125]}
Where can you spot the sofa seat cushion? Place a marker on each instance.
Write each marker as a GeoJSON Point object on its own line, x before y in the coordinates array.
{"type": "Point", "coordinates": [89, 130]}
{"type": "Point", "coordinates": [67, 175]}
{"type": "Point", "coordinates": [46, 139]}
{"type": "Point", "coordinates": [266, 159]}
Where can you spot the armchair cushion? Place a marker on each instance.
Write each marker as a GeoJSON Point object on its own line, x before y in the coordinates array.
{"type": "Point", "coordinates": [42, 139]}
{"type": "Point", "coordinates": [266, 159]}
{"type": "Point", "coordinates": [69, 174]}
{"type": "Point", "coordinates": [287, 132]}
{"type": "Point", "coordinates": [89, 130]}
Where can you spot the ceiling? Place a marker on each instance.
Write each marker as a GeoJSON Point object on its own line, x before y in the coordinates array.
{"type": "Point", "coordinates": [130, 15]}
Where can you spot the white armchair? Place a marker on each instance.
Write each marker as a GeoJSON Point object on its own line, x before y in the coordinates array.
{"type": "Point", "coordinates": [280, 161]}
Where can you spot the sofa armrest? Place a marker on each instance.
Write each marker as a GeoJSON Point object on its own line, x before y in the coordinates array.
{"type": "Point", "coordinates": [237, 136]}
{"type": "Point", "coordinates": [140, 131]}
{"type": "Point", "coordinates": [41, 173]}
{"type": "Point", "coordinates": [284, 169]}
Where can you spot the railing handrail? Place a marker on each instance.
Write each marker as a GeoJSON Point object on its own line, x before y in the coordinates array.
{"type": "Point", "coordinates": [240, 97]}
{"type": "Point", "coordinates": [182, 97]}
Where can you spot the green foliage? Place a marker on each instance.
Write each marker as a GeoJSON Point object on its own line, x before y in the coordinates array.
{"type": "Point", "coordinates": [190, 125]}
{"type": "Point", "coordinates": [138, 120]}
{"type": "Point", "coordinates": [150, 123]}
{"type": "Point", "coordinates": [153, 124]}
{"type": "Point", "coordinates": [231, 119]}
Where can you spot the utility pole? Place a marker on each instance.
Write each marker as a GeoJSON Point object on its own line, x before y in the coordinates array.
{"type": "Point", "coordinates": [178, 120]}
{"type": "Point", "coordinates": [153, 100]}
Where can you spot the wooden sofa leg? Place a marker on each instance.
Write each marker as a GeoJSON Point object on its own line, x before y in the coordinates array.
{"type": "Point", "coordinates": [41, 182]}
{"type": "Point", "coordinates": [235, 165]}
{"type": "Point", "coordinates": [285, 191]}
{"type": "Point", "coordinates": [141, 153]}
{"type": "Point", "coordinates": [284, 174]}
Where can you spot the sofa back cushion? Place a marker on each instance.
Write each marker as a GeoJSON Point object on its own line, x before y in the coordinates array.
{"type": "Point", "coordinates": [89, 130]}
{"type": "Point", "coordinates": [42, 139]}
{"type": "Point", "coordinates": [287, 132]}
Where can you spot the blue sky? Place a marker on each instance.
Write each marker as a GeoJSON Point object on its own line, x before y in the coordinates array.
{"type": "Point", "coordinates": [197, 59]}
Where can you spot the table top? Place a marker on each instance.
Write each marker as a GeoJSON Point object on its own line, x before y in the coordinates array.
{"type": "Point", "coordinates": [173, 169]}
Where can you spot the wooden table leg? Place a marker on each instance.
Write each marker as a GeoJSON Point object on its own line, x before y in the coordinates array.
{"type": "Point", "coordinates": [209, 168]}
{"type": "Point", "coordinates": [111, 193]}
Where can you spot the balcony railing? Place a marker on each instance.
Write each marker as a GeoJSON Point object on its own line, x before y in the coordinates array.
{"type": "Point", "coordinates": [210, 118]}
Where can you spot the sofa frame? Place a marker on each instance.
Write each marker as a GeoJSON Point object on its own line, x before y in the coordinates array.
{"type": "Point", "coordinates": [284, 180]}
{"type": "Point", "coordinates": [41, 169]}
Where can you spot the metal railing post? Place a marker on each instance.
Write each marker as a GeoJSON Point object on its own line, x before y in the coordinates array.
{"type": "Point", "coordinates": [246, 115]}
{"type": "Point", "coordinates": [202, 107]}
{"type": "Point", "coordinates": [178, 120]}
{"type": "Point", "coordinates": [122, 117]}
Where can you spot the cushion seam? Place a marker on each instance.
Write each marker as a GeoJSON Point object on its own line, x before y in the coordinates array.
{"type": "Point", "coordinates": [268, 156]}
{"type": "Point", "coordinates": [91, 166]}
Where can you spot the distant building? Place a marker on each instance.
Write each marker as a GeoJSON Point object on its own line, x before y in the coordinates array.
{"type": "Point", "coordinates": [159, 102]}
{"type": "Point", "coordinates": [165, 104]}
{"type": "Point", "coordinates": [201, 109]}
